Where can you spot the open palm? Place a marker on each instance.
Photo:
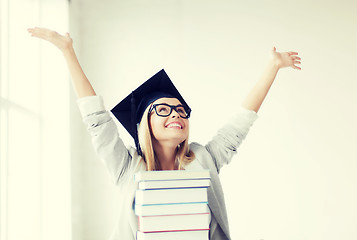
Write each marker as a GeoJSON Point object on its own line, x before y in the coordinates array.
{"type": "Point", "coordinates": [61, 41]}
{"type": "Point", "coordinates": [286, 59]}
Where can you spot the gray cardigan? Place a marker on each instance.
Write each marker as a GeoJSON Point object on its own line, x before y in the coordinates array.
{"type": "Point", "coordinates": [122, 163]}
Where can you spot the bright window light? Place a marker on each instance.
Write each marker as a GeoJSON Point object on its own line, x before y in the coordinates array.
{"type": "Point", "coordinates": [34, 130]}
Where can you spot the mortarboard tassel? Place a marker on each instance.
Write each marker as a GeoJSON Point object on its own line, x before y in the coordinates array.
{"type": "Point", "coordinates": [133, 122]}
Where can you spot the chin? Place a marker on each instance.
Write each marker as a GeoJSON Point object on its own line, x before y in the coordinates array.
{"type": "Point", "coordinates": [174, 141]}
{"type": "Point", "coordinates": [174, 137]}
{"type": "Point", "coordinates": [177, 141]}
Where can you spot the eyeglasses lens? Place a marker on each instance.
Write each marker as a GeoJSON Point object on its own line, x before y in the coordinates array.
{"type": "Point", "coordinates": [165, 110]}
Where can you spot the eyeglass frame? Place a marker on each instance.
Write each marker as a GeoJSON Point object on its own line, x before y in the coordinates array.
{"type": "Point", "coordinates": [187, 109]}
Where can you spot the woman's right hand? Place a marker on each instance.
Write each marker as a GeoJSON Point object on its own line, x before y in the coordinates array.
{"type": "Point", "coordinates": [82, 86]}
{"type": "Point", "coordinates": [63, 42]}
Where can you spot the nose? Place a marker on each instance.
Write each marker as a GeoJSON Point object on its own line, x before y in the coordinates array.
{"type": "Point", "coordinates": [174, 114]}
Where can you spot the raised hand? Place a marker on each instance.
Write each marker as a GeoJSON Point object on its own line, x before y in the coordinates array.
{"type": "Point", "coordinates": [63, 42]}
{"type": "Point", "coordinates": [278, 60]}
{"type": "Point", "coordinates": [285, 59]}
{"type": "Point", "coordinates": [81, 84]}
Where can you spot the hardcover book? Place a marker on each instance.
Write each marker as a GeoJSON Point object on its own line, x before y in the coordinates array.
{"type": "Point", "coordinates": [167, 196]}
{"type": "Point", "coordinates": [170, 209]}
{"type": "Point", "coordinates": [179, 222]}
{"type": "Point", "coordinates": [177, 235]}
{"type": "Point", "coordinates": [156, 184]}
{"type": "Point", "coordinates": [171, 175]}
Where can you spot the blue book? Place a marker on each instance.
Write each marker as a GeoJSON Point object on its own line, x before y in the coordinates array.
{"type": "Point", "coordinates": [168, 196]}
{"type": "Point", "coordinates": [170, 209]}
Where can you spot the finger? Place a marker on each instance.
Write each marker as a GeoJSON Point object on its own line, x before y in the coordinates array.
{"type": "Point", "coordinates": [45, 33]}
{"type": "Point", "coordinates": [297, 62]}
{"type": "Point", "coordinates": [296, 67]}
{"type": "Point", "coordinates": [293, 53]}
{"type": "Point", "coordinates": [295, 58]}
{"type": "Point", "coordinates": [35, 31]}
{"type": "Point", "coordinates": [274, 49]}
{"type": "Point", "coordinates": [38, 34]}
{"type": "Point", "coordinates": [41, 31]}
{"type": "Point", "coordinates": [31, 31]}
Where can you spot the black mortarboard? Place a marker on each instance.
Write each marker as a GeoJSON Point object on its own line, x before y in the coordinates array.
{"type": "Point", "coordinates": [130, 110]}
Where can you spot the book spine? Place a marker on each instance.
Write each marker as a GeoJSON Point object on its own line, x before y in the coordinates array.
{"type": "Point", "coordinates": [177, 222]}
{"type": "Point", "coordinates": [174, 195]}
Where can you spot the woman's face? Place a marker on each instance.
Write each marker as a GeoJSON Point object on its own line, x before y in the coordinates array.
{"type": "Point", "coordinates": [172, 128]}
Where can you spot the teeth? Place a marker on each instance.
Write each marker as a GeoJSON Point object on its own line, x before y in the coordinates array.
{"type": "Point", "coordinates": [174, 125]}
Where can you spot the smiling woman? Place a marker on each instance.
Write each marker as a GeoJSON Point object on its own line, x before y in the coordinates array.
{"type": "Point", "coordinates": [164, 134]}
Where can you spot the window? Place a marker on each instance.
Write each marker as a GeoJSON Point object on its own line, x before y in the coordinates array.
{"type": "Point", "coordinates": [34, 129]}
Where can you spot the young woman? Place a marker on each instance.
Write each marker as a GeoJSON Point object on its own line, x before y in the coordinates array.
{"type": "Point", "coordinates": [162, 134]}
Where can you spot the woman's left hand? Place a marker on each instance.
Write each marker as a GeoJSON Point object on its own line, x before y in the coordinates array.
{"type": "Point", "coordinates": [285, 59]}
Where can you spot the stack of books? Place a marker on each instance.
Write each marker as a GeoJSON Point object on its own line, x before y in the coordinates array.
{"type": "Point", "coordinates": [172, 205]}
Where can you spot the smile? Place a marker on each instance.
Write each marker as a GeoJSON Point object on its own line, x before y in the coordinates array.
{"type": "Point", "coordinates": [174, 125]}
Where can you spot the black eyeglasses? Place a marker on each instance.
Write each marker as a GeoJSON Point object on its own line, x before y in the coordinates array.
{"type": "Point", "coordinates": [164, 110]}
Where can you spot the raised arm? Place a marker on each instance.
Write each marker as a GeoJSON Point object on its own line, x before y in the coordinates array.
{"type": "Point", "coordinates": [80, 82]}
{"type": "Point", "coordinates": [278, 60]}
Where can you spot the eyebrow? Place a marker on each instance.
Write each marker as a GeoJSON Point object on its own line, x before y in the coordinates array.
{"type": "Point", "coordinates": [178, 103]}
{"type": "Point", "coordinates": [169, 104]}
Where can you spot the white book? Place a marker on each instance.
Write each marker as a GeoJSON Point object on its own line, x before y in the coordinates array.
{"type": "Point", "coordinates": [178, 235]}
{"type": "Point", "coordinates": [174, 222]}
{"type": "Point", "coordinates": [175, 195]}
{"type": "Point", "coordinates": [171, 175]}
{"type": "Point", "coordinates": [174, 183]}
{"type": "Point", "coordinates": [170, 209]}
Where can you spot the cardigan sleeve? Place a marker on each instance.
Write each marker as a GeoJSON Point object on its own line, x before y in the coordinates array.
{"type": "Point", "coordinates": [224, 145]}
{"type": "Point", "coordinates": [105, 137]}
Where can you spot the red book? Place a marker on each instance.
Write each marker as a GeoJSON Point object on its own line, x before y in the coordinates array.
{"type": "Point", "coordinates": [176, 235]}
{"type": "Point", "coordinates": [180, 222]}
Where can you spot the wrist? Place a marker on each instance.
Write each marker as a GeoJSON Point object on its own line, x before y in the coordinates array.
{"type": "Point", "coordinates": [274, 64]}
{"type": "Point", "coordinates": [67, 50]}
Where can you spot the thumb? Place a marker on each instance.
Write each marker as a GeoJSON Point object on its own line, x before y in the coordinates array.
{"type": "Point", "coordinates": [274, 49]}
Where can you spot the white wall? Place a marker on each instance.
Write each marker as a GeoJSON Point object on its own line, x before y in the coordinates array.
{"type": "Point", "coordinates": [294, 176]}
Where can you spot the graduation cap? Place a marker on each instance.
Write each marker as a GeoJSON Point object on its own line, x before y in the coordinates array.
{"type": "Point", "coordinates": [131, 109]}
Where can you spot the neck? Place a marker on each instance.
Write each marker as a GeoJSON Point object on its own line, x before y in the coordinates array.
{"type": "Point", "coordinates": [165, 155]}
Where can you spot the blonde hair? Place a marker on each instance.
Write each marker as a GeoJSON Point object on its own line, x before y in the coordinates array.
{"type": "Point", "coordinates": [183, 155]}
